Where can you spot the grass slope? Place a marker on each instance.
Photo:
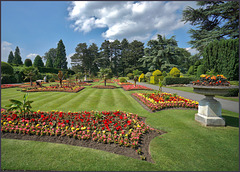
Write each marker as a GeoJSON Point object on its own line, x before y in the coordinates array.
{"type": "Point", "coordinates": [187, 146]}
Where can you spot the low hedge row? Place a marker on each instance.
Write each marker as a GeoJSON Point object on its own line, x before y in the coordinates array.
{"type": "Point", "coordinates": [171, 80]}
{"type": "Point", "coordinates": [54, 70]}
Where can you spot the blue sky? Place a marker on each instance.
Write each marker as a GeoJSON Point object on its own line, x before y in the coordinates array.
{"type": "Point", "coordinates": [36, 26]}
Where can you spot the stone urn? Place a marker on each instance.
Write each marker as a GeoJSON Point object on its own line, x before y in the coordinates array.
{"type": "Point", "coordinates": [209, 109]}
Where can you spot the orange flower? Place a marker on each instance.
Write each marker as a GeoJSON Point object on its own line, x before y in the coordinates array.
{"type": "Point", "coordinates": [213, 77]}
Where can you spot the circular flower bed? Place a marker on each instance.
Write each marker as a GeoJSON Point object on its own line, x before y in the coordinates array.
{"type": "Point", "coordinates": [165, 100]}
{"type": "Point", "coordinates": [132, 87]}
{"type": "Point", "coordinates": [207, 80]}
{"type": "Point", "coordinates": [104, 87]}
{"type": "Point", "coordinates": [109, 127]}
{"type": "Point", "coordinates": [108, 81]}
{"type": "Point", "coordinates": [124, 83]}
{"type": "Point", "coordinates": [56, 88]}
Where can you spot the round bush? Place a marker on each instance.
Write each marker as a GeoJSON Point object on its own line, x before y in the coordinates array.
{"type": "Point", "coordinates": [121, 79]}
{"type": "Point", "coordinates": [157, 73]}
{"type": "Point", "coordinates": [28, 62]}
{"type": "Point", "coordinates": [201, 70]}
{"type": "Point", "coordinates": [130, 75]}
{"type": "Point", "coordinates": [175, 72]}
{"type": "Point", "coordinates": [191, 70]}
{"type": "Point", "coordinates": [6, 68]}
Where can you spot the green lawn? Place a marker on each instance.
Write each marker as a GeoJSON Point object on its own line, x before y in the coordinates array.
{"type": "Point", "coordinates": [190, 89]}
{"type": "Point", "coordinates": [187, 146]}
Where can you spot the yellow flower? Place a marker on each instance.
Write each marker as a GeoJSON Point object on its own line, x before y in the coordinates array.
{"type": "Point", "coordinates": [9, 122]}
{"type": "Point", "coordinates": [66, 127]}
{"type": "Point", "coordinates": [56, 127]}
{"type": "Point", "coordinates": [83, 128]}
{"type": "Point", "coordinates": [38, 111]}
{"type": "Point", "coordinates": [77, 129]}
{"type": "Point", "coordinates": [26, 124]}
{"type": "Point", "coordinates": [126, 135]}
{"type": "Point", "coordinates": [103, 131]}
{"type": "Point", "coordinates": [72, 128]}
{"type": "Point", "coordinates": [4, 123]}
{"type": "Point", "coordinates": [203, 76]}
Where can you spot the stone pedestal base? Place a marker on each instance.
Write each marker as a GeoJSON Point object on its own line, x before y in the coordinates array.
{"type": "Point", "coordinates": [209, 112]}
{"type": "Point", "coordinates": [210, 121]}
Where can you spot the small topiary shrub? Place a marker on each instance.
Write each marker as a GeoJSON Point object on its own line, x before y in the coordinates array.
{"type": "Point", "coordinates": [122, 79]}
{"type": "Point", "coordinates": [6, 68]}
{"type": "Point", "coordinates": [141, 78]}
{"type": "Point", "coordinates": [191, 70]}
{"type": "Point", "coordinates": [130, 75]}
{"type": "Point", "coordinates": [174, 72]}
{"type": "Point", "coordinates": [157, 73]}
{"type": "Point", "coordinates": [200, 70]}
{"type": "Point", "coordinates": [28, 62]}
{"type": "Point", "coordinates": [147, 76]}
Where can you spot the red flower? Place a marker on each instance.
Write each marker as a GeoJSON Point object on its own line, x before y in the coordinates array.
{"type": "Point", "coordinates": [67, 121]}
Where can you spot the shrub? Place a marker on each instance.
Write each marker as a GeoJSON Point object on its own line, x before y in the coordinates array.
{"type": "Point", "coordinates": [147, 76]}
{"type": "Point", "coordinates": [8, 79]}
{"type": "Point", "coordinates": [200, 70]}
{"type": "Point", "coordinates": [52, 80]}
{"type": "Point", "coordinates": [141, 78]}
{"type": "Point", "coordinates": [130, 75]}
{"type": "Point", "coordinates": [6, 68]}
{"type": "Point", "coordinates": [173, 80]}
{"type": "Point", "coordinates": [164, 73]}
{"type": "Point", "coordinates": [137, 72]}
{"type": "Point", "coordinates": [175, 72]}
{"type": "Point", "coordinates": [191, 70]}
{"type": "Point", "coordinates": [38, 62]}
{"type": "Point", "coordinates": [54, 70]}
{"type": "Point", "coordinates": [232, 92]}
{"type": "Point", "coordinates": [155, 79]}
{"type": "Point", "coordinates": [157, 73]}
{"type": "Point", "coordinates": [122, 79]}
{"type": "Point", "coordinates": [28, 62]}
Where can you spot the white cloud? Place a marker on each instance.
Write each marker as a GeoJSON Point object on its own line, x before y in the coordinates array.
{"type": "Point", "coordinates": [31, 55]}
{"type": "Point", "coordinates": [192, 50]}
{"type": "Point", "coordinates": [6, 47]}
{"type": "Point", "coordinates": [128, 19]}
{"type": "Point", "coordinates": [69, 59]}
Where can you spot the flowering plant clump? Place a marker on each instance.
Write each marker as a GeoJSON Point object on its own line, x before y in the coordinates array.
{"type": "Point", "coordinates": [116, 80]}
{"type": "Point", "coordinates": [208, 80]}
{"type": "Point", "coordinates": [80, 83]}
{"type": "Point", "coordinates": [133, 87]}
{"type": "Point", "coordinates": [9, 85]}
{"type": "Point", "coordinates": [104, 87]}
{"type": "Point", "coordinates": [165, 100]}
{"type": "Point", "coordinates": [96, 80]}
{"type": "Point", "coordinates": [57, 88]}
{"type": "Point", "coordinates": [124, 129]}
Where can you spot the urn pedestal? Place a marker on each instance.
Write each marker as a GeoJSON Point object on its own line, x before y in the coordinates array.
{"type": "Point", "coordinates": [209, 109]}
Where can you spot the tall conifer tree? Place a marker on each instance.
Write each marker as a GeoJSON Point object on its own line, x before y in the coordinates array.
{"type": "Point", "coordinates": [17, 58]}
{"type": "Point", "coordinates": [10, 57]}
{"type": "Point", "coordinates": [61, 59]}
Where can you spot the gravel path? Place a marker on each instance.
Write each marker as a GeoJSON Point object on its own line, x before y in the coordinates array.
{"type": "Point", "coordinates": [226, 104]}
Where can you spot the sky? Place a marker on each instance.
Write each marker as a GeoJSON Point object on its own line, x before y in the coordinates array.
{"type": "Point", "coordinates": [37, 26]}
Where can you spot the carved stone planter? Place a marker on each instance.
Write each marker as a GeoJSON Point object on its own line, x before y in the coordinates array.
{"type": "Point", "coordinates": [209, 109]}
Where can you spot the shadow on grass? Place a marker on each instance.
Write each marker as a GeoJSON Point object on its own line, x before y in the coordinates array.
{"type": "Point", "coordinates": [231, 121]}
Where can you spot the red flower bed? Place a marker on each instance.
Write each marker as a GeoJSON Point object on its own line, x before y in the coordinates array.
{"type": "Point", "coordinates": [108, 81]}
{"type": "Point", "coordinates": [57, 88]}
{"type": "Point", "coordinates": [104, 87]}
{"type": "Point", "coordinates": [116, 80]}
{"type": "Point", "coordinates": [9, 85]}
{"type": "Point", "coordinates": [165, 100]}
{"type": "Point", "coordinates": [106, 127]}
{"type": "Point", "coordinates": [132, 87]}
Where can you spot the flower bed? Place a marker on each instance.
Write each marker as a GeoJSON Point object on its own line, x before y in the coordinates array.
{"type": "Point", "coordinates": [56, 88]}
{"type": "Point", "coordinates": [9, 85]}
{"type": "Point", "coordinates": [108, 127]}
{"type": "Point", "coordinates": [132, 87]}
{"type": "Point", "coordinates": [116, 80]}
{"type": "Point", "coordinates": [104, 87]}
{"type": "Point", "coordinates": [108, 81]}
{"type": "Point", "coordinates": [165, 100]}
{"type": "Point", "coordinates": [207, 80]}
{"type": "Point", "coordinates": [124, 83]}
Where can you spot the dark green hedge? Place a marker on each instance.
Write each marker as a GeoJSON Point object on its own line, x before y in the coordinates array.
{"type": "Point", "coordinates": [170, 81]}
{"type": "Point", "coordinates": [54, 70]}
{"type": "Point", "coordinates": [6, 68]}
{"type": "Point", "coordinates": [8, 79]}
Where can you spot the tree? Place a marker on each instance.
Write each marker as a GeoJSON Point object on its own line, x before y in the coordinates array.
{"type": "Point", "coordinates": [61, 59]}
{"type": "Point", "coordinates": [10, 57]}
{"type": "Point", "coordinates": [29, 72]}
{"type": "Point", "coordinates": [28, 62]}
{"type": "Point", "coordinates": [124, 56]}
{"type": "Point", "coordinates": [50, 57]}
{"type": "Point", "coordinates": [61, 76]}
{"type": "Point", "coordinates": [49, 63]}
{"type": "Point", "coordinates": [214, 20]}
{"type": "Point", "coordinates": [115, 48]}
{"type": "Point", "coordinates": [105, 73]}
{"type": "Point", "coordinates": [17, 58]}
{"type": "Point", "coordinates": [105, 55]}
{"type": "Point", "coordinates": [38, 62]}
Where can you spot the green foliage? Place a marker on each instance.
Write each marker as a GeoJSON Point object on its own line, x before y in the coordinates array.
{"type": "Point", "coordinates": [17, 58]}
{"type": "Point", "coordinates": [223, 57]}
{"type": "Point", "coordinates": [6, 68]}
{"type": "Point", "coordinates": [214, 20]}
{"type": "Point", "coordinates": [23, 107]}
{"type": "Point", "coordinates": [8, 79]}
{"type": "Point", "coordinates": [54, 70]}
{"type": "Point", "coordinates": [28, 62]}
{"type": "Point", "coordinates": [171, 80]}
{"type": "Point", "coordinates": [49, 63]}
{"type": "Point", "coordinates": [155, 79]}
{"type": "Point", "coordinates": [175, 72]}
{"type": "Point", "coordinates": [201, 70]}
{"type": "Point", "coordinates": [30, 72]}
{"type": "Point", "coordinates": [137, 72]}
{"type": "Point", "coordinates": [157, 73]}
{"type": "Point", "coordinates": [52, 80]}
{"type": "Point", "coordinates": [164, 73]}
{"type": "Point", "coordinates": [130, 75]}
{"type": "Point", "coordinates": [105, 73]}
{"type": "Point", "coordinates": [38, 62]}
{"type": "Point", "coordinates": [232, 92]}
{"type": "Point", "coordinates": [191, 70]}
{"type": "Point", "coordinates": [10, 57]}
{"type": "Point", "coordinates": [122, 79]}
{"type": "Point", "coordinates": [141, 78]}
{"type": "Point", "coordinates": [61, 59]}
{"type": "Point", "coordinates": [147, 76]}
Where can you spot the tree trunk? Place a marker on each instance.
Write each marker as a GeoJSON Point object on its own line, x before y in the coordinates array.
{"type": "Point", "coordinates": [31, 81]}
{"type": "Point", "coordinates": [105, 82]}
{"type": "Point", "coordinates": [60, 82]}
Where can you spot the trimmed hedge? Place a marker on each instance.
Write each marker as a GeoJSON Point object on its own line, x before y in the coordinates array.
{"type": "Point", "coordinates": [155, 79]}
{"type": "Point", "coordinates": [6, 68]}
{"type": "Point", "coordinates": [8, 79]}
{"type": "Point", "coordinates": [232, 92]}
{"type": "Point", "coordinates": [54, 70]}
{"type": "Point", "coordinates": [171, 80]}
